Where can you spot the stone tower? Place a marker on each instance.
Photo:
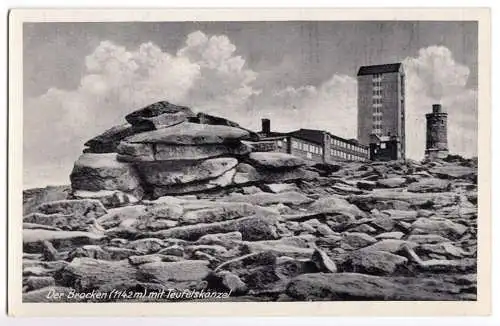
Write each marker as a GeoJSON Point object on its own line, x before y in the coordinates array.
{"type": "Point", "coordinates": [437, 133]}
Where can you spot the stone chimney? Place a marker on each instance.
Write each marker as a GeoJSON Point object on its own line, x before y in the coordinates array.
{"type": "Point", "coordinates": [436, 145]}
{"type": "Point", "coordinates": [266, 126]}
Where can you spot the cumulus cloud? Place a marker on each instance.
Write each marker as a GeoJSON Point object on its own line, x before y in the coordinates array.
{"type": "Point", "coordinates": [330, 106]}
{"type": "Point", "coordinates": [435, 77]}
{"type": "Point", "coordinates": [207, 74]}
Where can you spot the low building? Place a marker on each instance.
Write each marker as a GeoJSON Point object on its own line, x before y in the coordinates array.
{"type": "Point", "coordinates": [385, 148]}
{"type": "Point", "coordinates": [316, 146]}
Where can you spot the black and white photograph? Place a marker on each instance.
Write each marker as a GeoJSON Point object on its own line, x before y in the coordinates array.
{"type": "Point", "coordinates": [215, 161]}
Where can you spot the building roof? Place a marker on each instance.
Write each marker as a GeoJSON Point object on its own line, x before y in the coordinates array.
{"type": "Point", "coordinates": [317, 136]}
{"type": "Point", "coordinates": [312, 135]}
{"type": "Point", "coordinates": [379, 69]}
{"type": "Point", "coordinates": [271, 134]}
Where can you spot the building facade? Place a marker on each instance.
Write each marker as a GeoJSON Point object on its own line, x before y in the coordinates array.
{"type": "Point", "coordinates": [381, 105]}
{"type": "Point", "coordinates": [317, 146]}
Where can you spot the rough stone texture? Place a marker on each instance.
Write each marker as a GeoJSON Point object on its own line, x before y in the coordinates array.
{"type": "Point", "coordinates": [372, 262]}
{"type": "Point", "coordinates": [32, 198]}
{"type": "Point", "coordinates": [188, 133]}
{"type": "Point", "coordinates": [109, 198]}
{"type": "Point", "coordinates": [224, 211]}
{"type": "Point", "coordinates": [96, 172]}
{"type": "Point", "coordinates": [86, 274]}
{"type": "Point", "coordinates": [108, 141]}
{"type": "Point", "coordinates": [82, 209]}
{"type": "Point", "coordinates": [429, 185]}
{"type": "Point", "coordinates": [33, 239]}
{"type": "Point", "coordinates": [289, 197]}
{"type": "Point", "coordinates": [454, 172]}
{"type": "Point", "coordinates": [251, 228]}
{"type": "Point", "coordinates": [192, 270]}
{"type": "Point", "coordinates": [164, 174]}
{"type": "Point", "coordinates": [155, 110]}
{"type": "Point", "coordinates": [336, 205]}
{"type": "Point", "coordinates": [356, 286]}
{"type": "Point", "coordinates": [262, 225]}
{"type": "Point", "coordinates": [439, 226]}
{"type": "Point", "coordinates": [273, 160]}
{"type": "Point", "coordinates": [222, 181]}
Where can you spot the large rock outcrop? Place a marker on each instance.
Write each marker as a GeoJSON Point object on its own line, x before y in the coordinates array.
{"type": "Point", "coordinates": [166, 149]}
{"type": "Point", "coordinates": [177, 200]}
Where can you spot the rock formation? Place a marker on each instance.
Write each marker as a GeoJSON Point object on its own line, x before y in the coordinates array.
{"type": "Point", "coordinates": [178, 200]}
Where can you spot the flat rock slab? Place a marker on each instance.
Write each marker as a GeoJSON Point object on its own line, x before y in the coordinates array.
{"type": "Point", "coordinates": [175, 173]}
{"type": "Point", "coordinates": [358, 240]}
{"type": "Point", "coordinates": [95, 172]}
{"type": "Point", "coordinates": [57, 221]}
{"type": "Point", "coordinates": [277, 248]}
{"type": "Point", "coordinates": [156, 109]}
{"type": "Point", "coordinates": [204, 118]}
{"type": "Point", "coordinates": [439, 226]}
{"type": "Point", "coordinates": [188, 270]}
{"type": "Point", "coordinates": [454, 172]}
{"type": "Point", "coordinates": [61, 240]}
{"type": "Point", "coordinates": [252, 228]}
{"type": "Point", "coordinates": [222, 181]}
{"type": "Point", "coordinates": [372, 262]}
{"type": "Point", "coordinates": [390, 245]}
{"type": "Point", "coordinates": [87, 274]}
{"type": "Point", "coordinates": [414, 199]}
{"type": "Point", "coordinates": [395, 182]}
{"type": "Point", "coordinates": [84, 209]}
{"type": "Point", "coordinates": [163, 120]}
{"type": "Point", "coordinates": [109, 198]}
{"type": "Point", "coordinates": [263, 199]}
{"type": "Point", "coordinates": [280, 187]}
{"type": "Point", "coordinates": [224, 211]}
{"type": "Point", "coordinates": [109, 140]}
{"type": "Point", "coordinates": [139, 152]}
{"type": "Point", "coordinates": [188, 133]}
{"type": "Point", "coordinates": [275, 160]}
{"type": "Point", "coordinates": [427, 238]}
{"type": "Point", "coordinates": [429, 185]}
{"type": "Point", "coordinates": [355, 286]}
{"type": "Point", "coordinates": [336, 205]}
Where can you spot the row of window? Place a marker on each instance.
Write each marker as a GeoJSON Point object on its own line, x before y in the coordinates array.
{"type": "Point", "coordinates": [377, 110]}
{"type": "Point", "coordinates": [348, 146]}
{"type": "Point", "coordinates": [347, 156]}
{"type": "Point", "coordinates": [377, 91]}
{"type": "Point", "coordinates": [377, 118]}
{"type": "Point", "coordinates": [307, 147]}
{"type": "Point", "coordinates": [377, 100]}
{"type": "Point", "coordinates": [377, 130]}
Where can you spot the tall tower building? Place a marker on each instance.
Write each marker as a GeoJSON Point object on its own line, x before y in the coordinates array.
{"type": "Point", "coordinates": [436, 144]}
{"type": "Point", "coordinates": [381, 105]}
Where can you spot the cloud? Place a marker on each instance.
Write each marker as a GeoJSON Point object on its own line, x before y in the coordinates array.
{"type": "Point", "coordinates": [330, 106]}
{"type": "Point", "coordinates": [205, 74]}
{"type": "Point", "coordinates": [435, 77]}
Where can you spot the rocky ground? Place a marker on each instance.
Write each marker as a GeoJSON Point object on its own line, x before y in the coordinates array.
{"type": "Point", "coordinates": [262, 226]}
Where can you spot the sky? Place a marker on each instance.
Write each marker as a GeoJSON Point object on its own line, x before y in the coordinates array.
{"type": "Point", "coordinates": [83, 78]}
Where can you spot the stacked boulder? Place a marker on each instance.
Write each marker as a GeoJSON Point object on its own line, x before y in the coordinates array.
{"type": "Point", "coordinates": [166, 149]}
{"type": "Point", "coordinates": [145, 214]}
